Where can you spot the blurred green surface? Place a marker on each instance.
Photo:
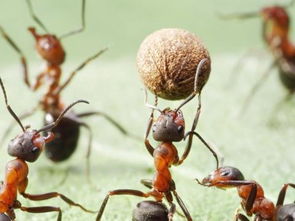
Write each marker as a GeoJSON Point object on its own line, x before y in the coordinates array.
{"type": "Point", "coordinates": [261, 143]}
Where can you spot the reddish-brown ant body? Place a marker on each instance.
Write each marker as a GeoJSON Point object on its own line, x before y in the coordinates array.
{"type": "Point", "coordinates": [252, 195]}
{"type": "Point", "coordinates": [51, 50]}
{"type": "Point", "coordinates": [27, 147]}
{"type": "Point", "coordinates": [275, 33]}
{"type": "Point", "coordinates": [167, 128]}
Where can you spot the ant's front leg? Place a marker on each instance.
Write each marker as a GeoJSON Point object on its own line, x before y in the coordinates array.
{"type": "Point", "coordinates": [46, 196]}
{"type": "Point", "coordinates": [241, 217]}
{"type": "Point", "coordinates": [190, 134]}
{"type": "Point", "coordinates": [119, 192]}
{"type": "Point", "coordinates": [282, 194]}
{"type": "Point", "coordinates": [248, 205]}
{"type": "Point", "coordinates": [21, 55]}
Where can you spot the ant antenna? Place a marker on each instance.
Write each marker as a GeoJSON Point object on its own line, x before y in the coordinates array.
{"type": "Point", "coordinates": [56, 122]}
{"type": "Point", "coordinates": [34, 16]}
{"type": "Point", "coordinates": [197, 76]}
{"type": "Point", "coordinates": [9, 108]}
{"type": "Point", "coordinates": [82, 23]}
{"type": "Point", "coordinates": [238, 15]}
{"type": "Point", "coordinates": [154, 107]}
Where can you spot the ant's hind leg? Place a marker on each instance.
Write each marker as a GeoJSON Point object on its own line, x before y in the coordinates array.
{"type": "Point", "coordinates": [119, 192]}
{"type": "Point", "coordinates": [46, 196]}
{"type": "Point", "coordinates": [43, 209]}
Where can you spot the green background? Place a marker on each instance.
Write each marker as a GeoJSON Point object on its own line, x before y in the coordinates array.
{"type": "Point", "coordinates": [260, 143]}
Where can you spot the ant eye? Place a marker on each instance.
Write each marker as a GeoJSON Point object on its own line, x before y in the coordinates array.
{"type": "Point", "coordinates": [225, 173]}
{"type": "Point", "coordinates": [180, 129]}
{"type": "Point", "coordinates": [35, 150]}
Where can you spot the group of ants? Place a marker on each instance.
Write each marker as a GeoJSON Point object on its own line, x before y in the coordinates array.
{"type": "Point", "coordinates": [60, 133]}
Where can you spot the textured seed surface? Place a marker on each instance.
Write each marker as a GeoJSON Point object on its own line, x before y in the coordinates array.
{"type": "Point", "coordinates": [167, 60]}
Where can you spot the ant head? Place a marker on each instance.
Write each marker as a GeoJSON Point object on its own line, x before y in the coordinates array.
{"type": "Point", "coordinates": [225, 173]}
{"type": "Point", "coordinates": [149, 211]}
{"type": "Point", "coordinates": [27, 145]}
{"type": "Point", "coordinates": [276, 14]}
{"type": "Point", "coordinates": [169, 126]}
{"type": "Point", "coordinates": [49, 47]}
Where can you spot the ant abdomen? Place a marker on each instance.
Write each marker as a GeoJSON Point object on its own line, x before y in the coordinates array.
{"type": "Point", "coordinates": [288, 78]}
{"type": "Point", "coordinates": [150, 211]}
{"type": "Point", "coordinates": [286, 213]}
{"type": "Point", "coordinates": [66, 137]}
{"type": "Point", "coordinates": [4, 217]}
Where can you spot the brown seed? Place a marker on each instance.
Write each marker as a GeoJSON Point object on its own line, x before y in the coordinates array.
{"type": "Point", "coordinates": [167, 60]}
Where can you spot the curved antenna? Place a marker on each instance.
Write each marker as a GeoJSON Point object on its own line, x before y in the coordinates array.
{"type": "Point", "coordinates": [9, 108]}
{"type": "Point", "coordinates": [149, 105]}
{"type": "Point", "coordinates": [34, 16]}
{"type": "Point", "coordinates": [76, 31]}
{"type": "Point", "coordinates": [56, 122]}
{"type": "Point", "coordinates": [197, 76]}
{"type": "Point", "coordinates": [244, 15]}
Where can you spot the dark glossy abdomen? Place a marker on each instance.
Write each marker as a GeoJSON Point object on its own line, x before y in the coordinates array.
{"type": "Point", "coordinates": [287, 76]}
{"type": "Point", "coordinates": [66, 137]}
{"type": "Point", "coordinates": [150, 211]}
{"type": "Point", "coordinates": [286, 213]}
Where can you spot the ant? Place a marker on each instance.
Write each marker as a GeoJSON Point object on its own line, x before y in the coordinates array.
{"type": "Point", "coordinates": [167, 128]}
{"type": "Point", "coordinates": [275, 33]}
{"type": "Point", "coordinates": [27, 147]}
{"type": "Point", "coordinates": [67, 132]}
{"type": "Point", "coordinates": [252, 195]}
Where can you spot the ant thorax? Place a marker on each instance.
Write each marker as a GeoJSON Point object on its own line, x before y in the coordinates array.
{"type": "Point", "coordinates": [169, 126]}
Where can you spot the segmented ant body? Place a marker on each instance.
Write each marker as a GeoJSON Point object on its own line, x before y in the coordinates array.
{"type": "Point", "coordinates": [49, 47]}
{"type": "Point", "coordinates": [169, 127]}
{"type": "Point", "coordinates": [275, 33]}
{"type": "Point", "coordinates": [27, 147]}
{"type": "Point", "coordinates": [252, 195]}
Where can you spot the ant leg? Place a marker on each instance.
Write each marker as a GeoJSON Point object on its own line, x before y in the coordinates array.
{"type": "Point", "coordinates": [190, 133]}
{"type": "Point", "coordinates": [119, 192]}
{"type": "Point", "coordinates": [254, 89]}
{"type": "Point", "coordinates": [110, 120]}
{"type": "Point", "coordinates": [282, 194]}
{"type": "Point", "coordinates": [46, 196]}
{"type": "Point", "coordinates": [82, 23]}
{"type": "Point", "coordinates": [89, 148]}
{"type": "Point", "coordinates": [12, 124]}
{"type": "Point", "coordinates": [241, 217]}
{"type": "Point", "coordinates": [147, 143]}
{"type": "Point", "coordinates": [20, 53]}
{"type": "Point", "coordinates": [80, 67]}
{"type": "Point", "coordinates": [147, 183]}
{"type": "Point", "coordinates": [43, 209]}
{"type": "Point", "coordinates": [182, 206]}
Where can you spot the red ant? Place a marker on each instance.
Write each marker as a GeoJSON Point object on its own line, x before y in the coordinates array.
{"type": "Point", "coordinates": [27, 147]}
{"type": "Point", "coordinates": [168, 128]}
{"type": "Point", "coordinates": [67, 133]}
{"type": "Point", "coordinates": [275, 33]}
{"type": "Point", "coordinates": [252, 195]}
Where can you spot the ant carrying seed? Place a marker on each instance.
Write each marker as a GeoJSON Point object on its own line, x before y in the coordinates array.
{"type": "Point", "coordinates": [167, 128]}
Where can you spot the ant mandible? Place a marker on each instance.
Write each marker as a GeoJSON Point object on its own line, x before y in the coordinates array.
{"type": "Point", "coordinates": [168, 128]}
{"type": "Point", "coordinates": [67, 133]}
{"type": "Point", "coordinates": [252, 195]}
{"type": "Point", "coordinates": [275, 33]}
{"type": "Point", "coordinates": [27, 147]}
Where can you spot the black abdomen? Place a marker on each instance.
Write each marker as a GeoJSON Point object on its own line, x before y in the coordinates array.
{"type": "Point", "coordinates": [66, 137]}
